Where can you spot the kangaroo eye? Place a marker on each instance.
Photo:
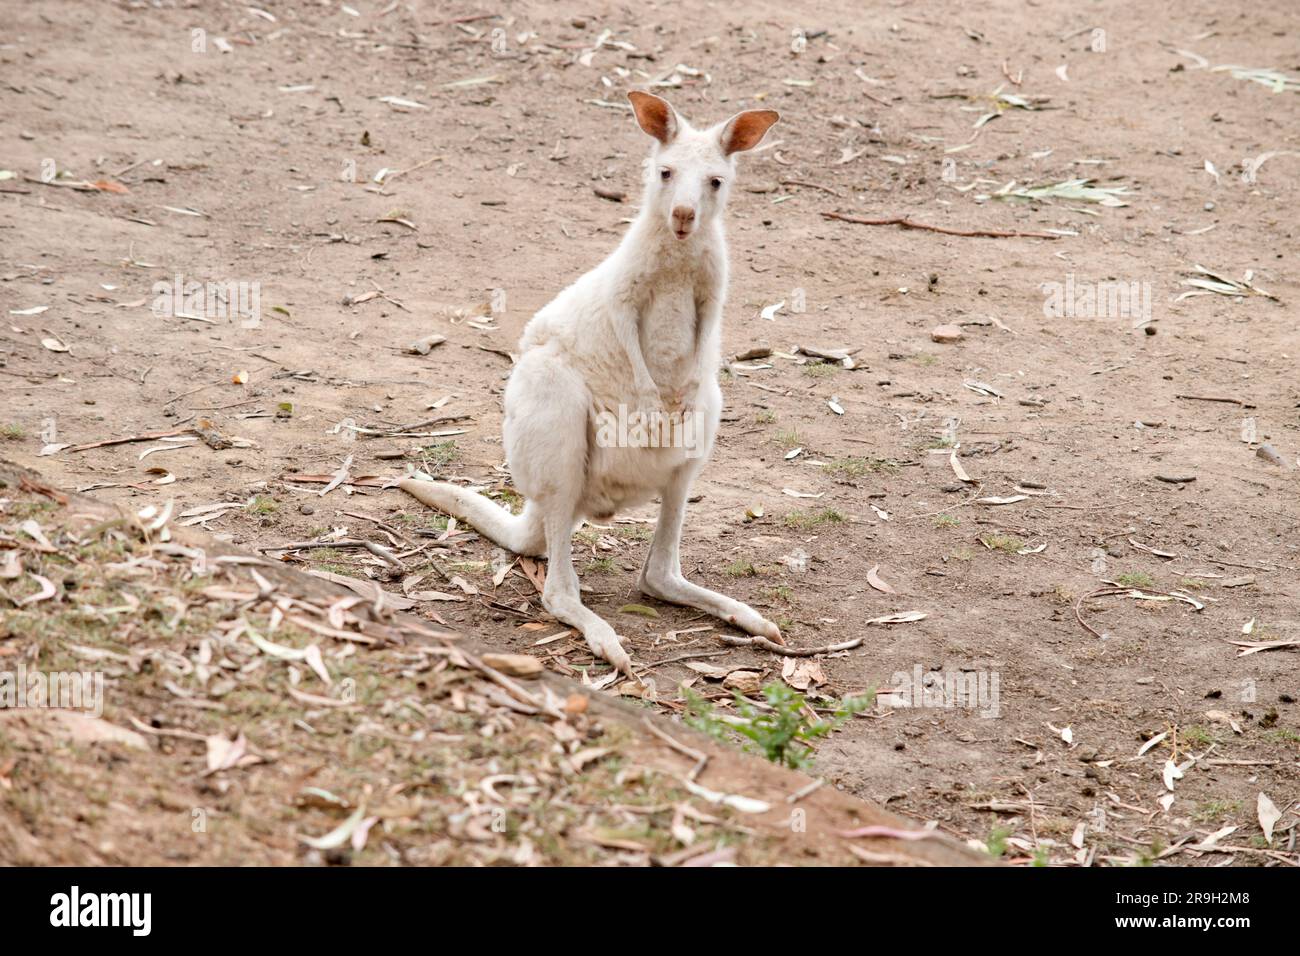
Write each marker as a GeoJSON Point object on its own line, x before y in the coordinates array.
{"type": "Point", "coordinates": [716, 183]}
{"type": "Point", "coordinates": [665, 174]}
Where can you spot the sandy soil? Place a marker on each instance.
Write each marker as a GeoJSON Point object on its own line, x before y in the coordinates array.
{"type": "Point", "coordinates": [272, 152]}
{"type": "Point", "coordinates": [208, 735]}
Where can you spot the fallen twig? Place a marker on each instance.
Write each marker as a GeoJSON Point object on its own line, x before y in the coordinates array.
{"type": "Point", "coordinates": [150, 436]}
{"type": "Point", "coordinates": [701, 759]}
{"type": "Point", "coordinates": [377, 550]}
{"type": "Point", "coordinates": [910, 224]}
{"type": "Point", "coordinates": [683, 657]}
{"type": "Point", "coordinates": [1216, 398]}
{"type": "Point", "coordinates": [800, 182]}
{"type": "Point", "coordinates": [775, 648]}
{"type": "Point", "coordinates": [1110, 591]}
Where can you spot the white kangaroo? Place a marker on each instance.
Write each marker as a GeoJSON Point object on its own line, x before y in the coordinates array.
{"type": "Point", "coordinates": [640, 332]}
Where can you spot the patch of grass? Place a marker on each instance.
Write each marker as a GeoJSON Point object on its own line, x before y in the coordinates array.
{"type": "Point", "coordinates": [10, 432]}
{"type": "Point", "coordinates": [781, 592]}
{"type": "Point", "coordinates": [765, 417]}
{"type": "Point", "coordinates": [997, 841]}
{"type": "Point", "coordinates": [785, 440]}
{"type": "Point", "coordinates": [811, 520]}
{"type": "Point", "coordinates": [1006, 543]}
{"type": "Point", "coordinates": [423, 520]}
{"type": "Point", "coordinates": [1214, 811]}
{"type": "Point", "coordinates": [852, 467]}
{"type": "Point", "coordinates": [820, 370]}
{"type": "Point", "coordinates": [945, 521]}
{"type": "Point", "coordinates": [782, 733]}
{"type": "Point", "coordinates": [263, 505]}
{"type": "Point", "coordinates": [1284, 735]}
{"type": "Point", "coordinates": [925, 359]}
{"type": "Point", "coordinates": [22, 510]}
{"type": "Point", "coordinates": [440, 454]}
{"type": "Point", "coordinates": [1198, 735]}
{"type": "Point", "coordinates": [1136, 579]}
{"type": "Point", "coordinates": [469, 567]}
{"type": "Point", "coordinates": [601, 566]}
{"type": "Point", "coordinates": [509, 497]}
{"type": "Point", "coordinates": [327, 554]}
{"type": "Point", "coordinates": [634, 532]}
{"type": "Point", "coordinates": [740, 568]}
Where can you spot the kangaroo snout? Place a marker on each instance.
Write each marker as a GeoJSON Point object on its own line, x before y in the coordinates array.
{"type": "Point", "coordinates": [683, 221]}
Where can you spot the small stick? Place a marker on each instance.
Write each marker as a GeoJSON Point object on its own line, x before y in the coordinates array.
{"type": "Point", "coordinates": [800, 182]}
{"type": "Point", "coordinates": [381, 526]}
{"type": "Point", "coordinates": [377, 550]}
{"type": "Point", "coordinates": [386, 297]}
{"type": "Point", "coordinates": [701, 759]}
{"type": "Point", "coordinates": [683, 657]}
{"type": "Point", "coordinates": [150, 436]}
{"type": "Point", "coordinates": [1108, 592]}
{"type": "Point", "coordinates": [910, 224]}
{"type": "Point", "coordinates": [804, 791]}
{"type": "Point", "coordinates": [126, 169]}
{"type": "Point", "coordinates": [441, 420]}
{"type": "Point", "coordinates": [1215, 398]}
{"type": "Point", "coordinates": [472, 18]}
{"type": "Point", "coordinates": [514, 689]}
{"type": "Point", "coordinates": [767, 645]}
{"type": "Point", "coordinates": [402, 172]}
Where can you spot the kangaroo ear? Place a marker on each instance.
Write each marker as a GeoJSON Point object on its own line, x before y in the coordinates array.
{"type": "Point", "coordinates": [746, 130]}
{"type": "Point", "coordinates": [655, 116]}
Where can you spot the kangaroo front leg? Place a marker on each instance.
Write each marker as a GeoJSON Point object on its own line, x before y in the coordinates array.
{"type": "Point", "coordinates": [628, 331]}
{"type": "Point", "coordinates": [661, 577]}
{"type": "Point", "coordinates": [562, 598]}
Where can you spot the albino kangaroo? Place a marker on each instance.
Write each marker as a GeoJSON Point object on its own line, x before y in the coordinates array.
{"type": "Point", "coordinates": [640, 332]}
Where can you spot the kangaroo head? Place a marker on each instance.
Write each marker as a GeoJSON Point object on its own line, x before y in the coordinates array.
{"type": "Point", "coordinates": [689, 172]}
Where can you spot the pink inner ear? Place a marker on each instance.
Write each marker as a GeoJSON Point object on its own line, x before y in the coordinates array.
{"type": "Point", "coordinates": [654, 115]}
{"type": "Point", "coordinates": [747, 129]}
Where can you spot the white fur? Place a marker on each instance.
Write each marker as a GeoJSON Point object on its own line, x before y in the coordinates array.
{"type": "Point", "coordinates": [641, 330]}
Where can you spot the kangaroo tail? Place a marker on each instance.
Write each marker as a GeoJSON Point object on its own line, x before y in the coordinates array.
{"type": "Point", "coordinates": [520, 533]}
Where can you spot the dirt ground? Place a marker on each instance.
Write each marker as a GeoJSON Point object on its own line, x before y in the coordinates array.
{"type": "Point", "coordinates": [235, 711]}
{"type": "Point", "coordinates": [264, 166]}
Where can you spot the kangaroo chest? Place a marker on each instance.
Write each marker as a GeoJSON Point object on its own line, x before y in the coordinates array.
{"type": "Point", "coordinates": [669, 333]}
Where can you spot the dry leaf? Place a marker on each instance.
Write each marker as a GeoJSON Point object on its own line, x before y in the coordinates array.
{"type": "Point", "coordinates": [514, 665]}
{"type": "Point", "coordinates": [744, 682]}
{"type": "Point", "coordinates": [874, 580]}
{"type": "Point", "coordinates": [1170, 773]}
{"type": "Point", "coordinates": [1268, 814]}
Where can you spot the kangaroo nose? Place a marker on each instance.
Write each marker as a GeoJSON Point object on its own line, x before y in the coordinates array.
{"type": "Point", "coordinates": [683, 216]}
